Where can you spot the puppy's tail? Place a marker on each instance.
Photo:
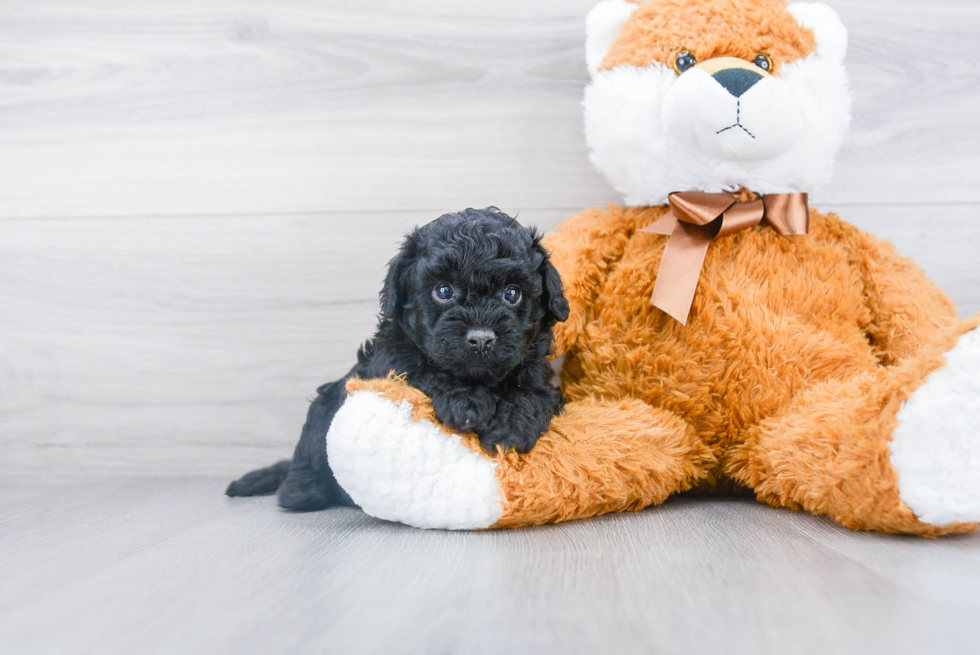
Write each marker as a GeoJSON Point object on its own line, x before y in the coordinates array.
{"type": "Point", "coordinates": [261, 482]}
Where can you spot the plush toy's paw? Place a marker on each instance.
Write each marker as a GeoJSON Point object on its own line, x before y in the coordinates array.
{"type": "Point", "coordinates": [936, 446]}
{"type": "Point", "coordinates": [401, 467]}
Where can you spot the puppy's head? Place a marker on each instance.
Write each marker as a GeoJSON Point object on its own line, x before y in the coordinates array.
{"type": "Point", "coordinates": [476, 293]}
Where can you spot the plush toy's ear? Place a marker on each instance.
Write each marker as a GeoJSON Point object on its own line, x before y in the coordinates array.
{"type": "Point", "coordinates": [393, 293]}
{"type": "Point", "coordinates": [826, 25]}
{"type": "Point", "coordinates": [602, 27]}
{"type": "Point", "coordinates": [553, 298]}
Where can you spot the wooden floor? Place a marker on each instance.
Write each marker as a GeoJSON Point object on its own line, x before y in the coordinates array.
{"type": "Point", "coordinates": [197, 200]}
{"type": "Point", "coordinates": [172, 566]}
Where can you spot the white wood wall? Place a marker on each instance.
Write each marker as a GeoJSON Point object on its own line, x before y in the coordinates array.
{"type": "Point", "coordinates": [197, 198]}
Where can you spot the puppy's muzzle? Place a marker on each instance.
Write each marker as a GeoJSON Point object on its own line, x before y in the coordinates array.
{"type": "Point", "coordinates": [481, 339]}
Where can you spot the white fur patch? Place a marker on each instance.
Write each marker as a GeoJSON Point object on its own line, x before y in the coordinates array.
{"type": "Point", "coordinates": [936, 446]}
{"type": "Point", "coordinates": [648, 147]}
{"type": "Point", "coordinates": [399, 469]}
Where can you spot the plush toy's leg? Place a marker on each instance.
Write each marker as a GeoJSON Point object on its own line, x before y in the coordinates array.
{"type": "Point", "coordinates": [394, 459]}
{"type": "Point", "coordinates": [936, 445]}
{"type": "Point", "coordinates": [894, 450]}
{"type": "Point", "coordinates": [600, 457]}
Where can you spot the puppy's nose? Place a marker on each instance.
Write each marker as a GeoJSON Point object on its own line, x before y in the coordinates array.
{"type": "Point", "coordinates": [481, 338]}
{"type": "Point", "coordinates": [737, 80]}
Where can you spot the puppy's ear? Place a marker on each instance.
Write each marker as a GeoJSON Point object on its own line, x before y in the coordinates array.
{"type": "Point", "coordinates": [393, 293]}
{"type": "Point", "coordinates": [553, 298]}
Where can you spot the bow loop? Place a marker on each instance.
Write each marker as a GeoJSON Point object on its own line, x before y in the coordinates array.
{"type": "Point", "coordinates": [698, 207]}
{"type": "Point", "coordinates": [788, 213]}
{"type": "Point", "coordinates": [696, 218]}
{"type": "Point", "coordinates": [741, 216]}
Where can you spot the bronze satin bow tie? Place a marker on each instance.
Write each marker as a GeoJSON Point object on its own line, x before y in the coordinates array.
{"type": "Point", "coordinates": [695, 218]}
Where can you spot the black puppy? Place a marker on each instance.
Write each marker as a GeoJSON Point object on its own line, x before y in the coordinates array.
{"type": "Point", "coordinates": [466, 314]}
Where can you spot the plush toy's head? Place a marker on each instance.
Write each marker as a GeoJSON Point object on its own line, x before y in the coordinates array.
{"type": "Point", "coordinates": [714, 95]}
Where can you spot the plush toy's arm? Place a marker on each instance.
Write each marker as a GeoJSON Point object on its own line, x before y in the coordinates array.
{"type": "Point", "coordinates": [583, 249]}
{"type": "Point", "coordinates": [399, 463]}
{"type": "Point", "coordinates": [907, 309]}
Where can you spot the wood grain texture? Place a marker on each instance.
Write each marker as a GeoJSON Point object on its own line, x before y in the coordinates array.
{"type": "Point", "coordinates": [189, 108]}
{"type": "Point", "coordinates": [154, 566]}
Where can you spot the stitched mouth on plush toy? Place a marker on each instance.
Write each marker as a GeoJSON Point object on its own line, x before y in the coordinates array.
{"type": "Point", "coordinates": [738, 121]}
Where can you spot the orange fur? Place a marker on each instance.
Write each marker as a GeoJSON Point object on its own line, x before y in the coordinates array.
{"type": "Point", "coordinates": [775, 372]}
{"type": "Point", "coordinates": [659, 29]}
{"type": "Point", "coordinates": [600, 457]}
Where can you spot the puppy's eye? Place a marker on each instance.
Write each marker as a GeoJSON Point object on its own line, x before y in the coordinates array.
{"type": "Point", "coordinates": [442, 293]}
{"type": "Point", "coordinates": [511, 296]}
{"type": "Point", "coordinates": [763, 61]}
{"type": "Point", "coordinates": [685, 60]}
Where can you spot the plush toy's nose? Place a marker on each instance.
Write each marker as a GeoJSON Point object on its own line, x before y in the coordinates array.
{"type": "Point", "coordinates": [737, 80]}
{"type": "Point", "coordinates": [734, 75]}
{"type": "Point", "coordinates": [481, 339]}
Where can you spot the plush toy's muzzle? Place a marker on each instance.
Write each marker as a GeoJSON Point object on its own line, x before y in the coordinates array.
{"type": "Point", "coordinates": [732, 110]}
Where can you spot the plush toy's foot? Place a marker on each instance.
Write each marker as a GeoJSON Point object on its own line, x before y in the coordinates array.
{"type": "Point", "coordinates": [894, 450]}
{"type": "Point", "coordinates": [936, 446]}
{"type": "Point", "coordinates": [398, 463]}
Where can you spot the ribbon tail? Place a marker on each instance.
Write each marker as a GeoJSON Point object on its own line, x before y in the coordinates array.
{"type": "Point", "coordinates": [665, 225]}
{"type": "Point", "coordinates": [680, 268]}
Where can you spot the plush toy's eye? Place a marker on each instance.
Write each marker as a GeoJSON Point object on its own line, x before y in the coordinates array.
{"type": "Point", "coordinates": [685, 60]}
{"type": "Point", "coordinates": [442, 293]}
{"type": "Point", "coordinates": [511, 296]}
{"type": "Point", "coordinates": [763, 61]}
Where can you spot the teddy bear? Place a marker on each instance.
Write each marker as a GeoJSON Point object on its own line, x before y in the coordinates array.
{"type": "Point", "coordinates": [722, 334]}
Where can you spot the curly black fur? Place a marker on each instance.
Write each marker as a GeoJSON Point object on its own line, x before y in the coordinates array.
{"type": "Point", "coordinates": [479, 354]}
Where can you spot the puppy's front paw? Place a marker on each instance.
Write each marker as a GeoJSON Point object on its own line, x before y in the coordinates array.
{"type": "Point", "coordinates": [521, 419]}
{"type": "Point", "coordinates": [466, 410]}
{"type": "Point", "coordinates": [512, 430]}
{"type": "Point", "coordinates": [507, 440]}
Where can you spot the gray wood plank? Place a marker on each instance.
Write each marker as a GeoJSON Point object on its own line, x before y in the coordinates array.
{"type": "Point", "coordinates": [55, 533]}
{"type": "Point", "coordinates": [696, 575]}
{"type": "Point", "coordinates": [269, 106]}
{"type": "Point", "coordinates": [236, 107]}
{"type": "Point", "coordinates": [191, 346]}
